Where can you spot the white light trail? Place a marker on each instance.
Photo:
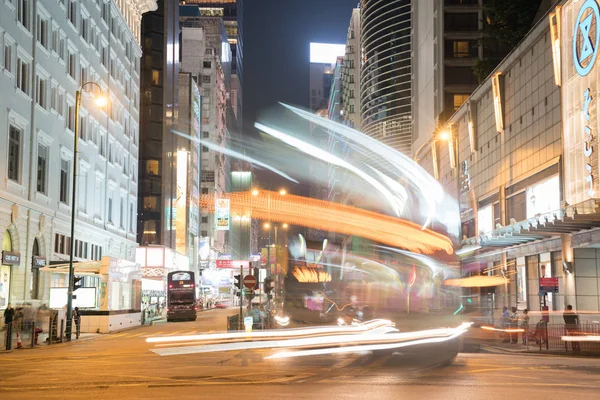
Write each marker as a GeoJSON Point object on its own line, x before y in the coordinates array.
{"type": "Point", "coordinates": [370, 347]}
{"type": "Point", "coordinates": [332, 159]}
{"type": "Point", "coordinates": [235, 154]}
{"type": "Point", "coordinates": [360, 342]}
{"type": "Point", "coordinates": [282, 333]}
{"type": "Point", "coordinates": [580, 338]}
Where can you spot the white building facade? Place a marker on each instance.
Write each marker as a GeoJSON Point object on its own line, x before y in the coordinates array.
{"type": "Point", "coordinates": [49, 50]}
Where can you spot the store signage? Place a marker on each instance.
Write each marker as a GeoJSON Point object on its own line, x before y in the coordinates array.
{"type": "Point", "coordinates": [588, 149]}
{"type": "Point", "coordinates": [39, 262]}
{"type": "Point", "coordinates": [232, 264]}
{"type": "Point", "coordinates": [548, 285]}
{"type": "Point", "coordinates": [222, 214]}
{"type": "Point", "coordinates": [585, 48]}
{"type": "Point", "coordinates": [10, 258]}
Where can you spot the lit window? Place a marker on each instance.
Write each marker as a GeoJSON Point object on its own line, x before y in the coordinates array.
{"type": "Point", "coordinates": [459, 100]}
{"type": "Point", "coordinates": [485, 219]}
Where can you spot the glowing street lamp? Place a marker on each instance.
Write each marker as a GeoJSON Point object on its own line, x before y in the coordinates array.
{"type": "Point", "coordinates": [255, 192]}
{"type": "Point", "coordinates": [100, 100]}
{"type": "Point", "coordinates": [282, 192]}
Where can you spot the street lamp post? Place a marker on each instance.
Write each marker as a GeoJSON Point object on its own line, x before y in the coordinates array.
{"type": "Point", "coordinates": [100, 101]}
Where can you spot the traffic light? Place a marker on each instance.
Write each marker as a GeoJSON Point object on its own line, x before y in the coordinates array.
{"type": "Point", "coordinates": [238, 281]}
{"type": "Point", "coordinates": [77, 282]}
{"type": "Point", "coordinates": [268, 285]}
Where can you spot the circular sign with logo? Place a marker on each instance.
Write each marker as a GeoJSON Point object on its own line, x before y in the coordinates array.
{"type": "Point", "coordinates": [586, 37]}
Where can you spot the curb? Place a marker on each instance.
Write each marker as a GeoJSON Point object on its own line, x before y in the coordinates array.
{"type": "Point", "coordinates": [498, 350]}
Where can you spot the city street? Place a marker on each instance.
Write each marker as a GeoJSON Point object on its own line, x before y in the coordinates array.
{"type": "Point", "coordinates": [121, 365]}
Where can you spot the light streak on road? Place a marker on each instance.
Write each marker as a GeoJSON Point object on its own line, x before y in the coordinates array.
{"type": "Point", "coordinates": [380, 338]}
{"type": "Point", "coordinates": [281, 333]}
{"type": "Point", "coordinates": [507, 330]}
{"type": "Point", "coordinates": [580, 338]}
{"type": "Point", "coordinates": [372, 347]}
{"type": "Point", "coordinates": [283, 321]}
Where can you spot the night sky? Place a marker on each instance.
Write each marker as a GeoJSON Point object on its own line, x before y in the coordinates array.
{"type": "Point", "coordinates": [277, 34]}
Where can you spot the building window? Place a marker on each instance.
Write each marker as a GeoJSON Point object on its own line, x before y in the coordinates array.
{"type": "Point", "coordinates": [208, 51]}
{"type": "Point", "coordinates": [40, 92]}
{"type": "Point", "coordinates": [131, 219]}
{"type": "Point", "coordinates": [150, 203]}
{"type": "Point", "coordinates": [72, 12]}
{"type": "Point", "coordinates": [23, 13]}
{"type": "Point", "coordinates": [543, 198]}
{"type": "Point", "coordinates": [204, 234]}
{"type": "Point", "coordinates": [205, 220]}
{"type": "Point", "coordinates": [64, 181]}
{"type": "Point", "coordinates": [156, 75]}
{"type": "Point", "coordinates": [82, 189]}
{"type": "Point", "coordinates": [71, 118]}
{"type": "Point", "coordinates": [458, 100]}
{"type": "Point", "coordinates": [204, 191]}
{"type": "Point", "coordinates": [42, 168]}
{"type": "Point", "coordinates": [42, 31]}
{"type": "Point", "coordinates": [72, 68]}
{"type": "Point", "coordinates": [205, 135]}
{"type": "Point", "coordinates": [122, 214]}
{"type": "Point", "coordinates": [8, 56]}
{"type": "Point", "coordinates": [204, 149]}
{"type": "Point", "coordinates": [23, 75]}
{"type": "Point", "coordinates": [205, 78]}
{"type": "Point", "coordinates": [207, 64]}
{"type": "Point", "coordinates": [461, 48]}
{"type": "Point", "coordinates": [152, 167]}
{"type": "Point", "coordinates": [110, 209]}
{"type": "Point", "coordinates": [485, 219]}
{"type": "Point", "coordinates": [14, 153]}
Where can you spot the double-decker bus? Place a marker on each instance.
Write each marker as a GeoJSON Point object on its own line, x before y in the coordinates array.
{"type": "Point", "coordinates": [181, 296]}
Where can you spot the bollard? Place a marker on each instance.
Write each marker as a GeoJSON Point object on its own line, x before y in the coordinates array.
{"type": "Point", "coordinates": [9, 336]}
{"type": "Point", "coordinates": [33, 335]}
{"type": "Point", "coordinates": [50, 331]}
{"type": "Point", "coordinates": [62, 329]}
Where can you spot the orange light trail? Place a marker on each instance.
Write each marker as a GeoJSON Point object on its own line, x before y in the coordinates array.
{"type": "Point", "coordinates": [328, 216]}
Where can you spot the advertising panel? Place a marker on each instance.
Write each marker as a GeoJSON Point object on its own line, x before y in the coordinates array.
{"type": "Point", "coordinates": [222, 216]}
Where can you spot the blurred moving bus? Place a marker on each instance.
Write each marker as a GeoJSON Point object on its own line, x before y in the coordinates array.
{"type": "Point", "coordinates": [181, 296]}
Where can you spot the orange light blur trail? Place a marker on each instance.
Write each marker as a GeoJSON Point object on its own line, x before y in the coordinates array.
{"type": "Point", "coordinates": [335, 217]}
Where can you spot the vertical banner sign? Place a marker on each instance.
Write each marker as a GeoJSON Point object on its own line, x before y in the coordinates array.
{"type": "Point", "coordinates": [580, 39]}
{"type": "Point", "coordinates": [222, 214]}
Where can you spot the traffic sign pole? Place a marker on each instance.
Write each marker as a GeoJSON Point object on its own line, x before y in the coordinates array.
{"type": "Point", "coordinates": [241, 297]}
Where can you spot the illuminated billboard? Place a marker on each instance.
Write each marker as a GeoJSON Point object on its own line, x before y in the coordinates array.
{"type": "Point", "coordinates": [222, 214]}
{"type": "Point", "coordinates": [326, 53]}
{"type": "Point", "coordinates": [181, 202]}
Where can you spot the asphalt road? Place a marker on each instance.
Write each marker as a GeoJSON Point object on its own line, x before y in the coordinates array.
{"type": "Point", "coordinates": [122, 366]}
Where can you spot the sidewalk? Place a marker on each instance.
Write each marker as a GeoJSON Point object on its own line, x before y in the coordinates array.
{"type": "Point", "coordinates": [42, 343]}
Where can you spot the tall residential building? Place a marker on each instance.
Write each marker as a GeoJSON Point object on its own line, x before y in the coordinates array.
{"type": "Point", "coordinates": [385, 84]}
{"type": "Point", "coordinates": [160, 76]}
{"type": "Point", "coordinates": [446, 45]}
{"type": "Point", "coordinates": [50, 50]}
{"type": "Point", "coordinates": [323, 57]}
{"type": "Point", "coordinates": [206, 54]}
{"type": "Point", "coordinates": [231, 11]}
{"type": "Point", "coordinates": [350, 100]}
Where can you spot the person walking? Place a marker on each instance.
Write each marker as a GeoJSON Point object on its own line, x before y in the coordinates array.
{"type": "Point", "coordinates": [77, 319]}
{"type": "Point", "coordinates": [9, 316]}
{"type": "Point", "coordinates": [572, 325]}
{"type": "Point", "coordinates": [514, 325]}
{"type": "Point", "coordinates": [525, 325]}
{"type": "Point", "coordinates": [505, 323]}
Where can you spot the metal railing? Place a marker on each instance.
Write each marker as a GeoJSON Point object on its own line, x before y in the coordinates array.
{"type": "Point", "coordinates": [551, 338]}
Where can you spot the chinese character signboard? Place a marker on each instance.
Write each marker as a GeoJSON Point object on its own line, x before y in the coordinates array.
{"type": "Point", "coordinates": [580, 38]}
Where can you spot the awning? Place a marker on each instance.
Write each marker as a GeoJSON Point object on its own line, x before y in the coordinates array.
{"type": "Point", "coordinates": [538, 228]}
{"type": "Point", "coordinates": [80, 268]}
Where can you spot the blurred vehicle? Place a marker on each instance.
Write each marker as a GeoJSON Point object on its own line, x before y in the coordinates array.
{"type": "Point", "coordinates": [222, 304]}
{"type": "Point", "coordinates": [181, 296]}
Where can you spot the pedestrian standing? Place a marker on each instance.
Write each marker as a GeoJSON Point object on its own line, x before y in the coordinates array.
{"type": "Point", "coordinates": [572, 325]}
{"type": "Point", "coordinates": [9, 315]}
{"type": "Point", "coordinates": [77, 318]}
{"type": "Point", "coordinates": [525, 325]}
{"type": "Point", "coordinates": [505, 323]}
{"type": "Point", "coordinates": [514, 324]}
